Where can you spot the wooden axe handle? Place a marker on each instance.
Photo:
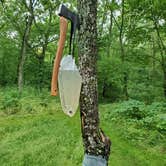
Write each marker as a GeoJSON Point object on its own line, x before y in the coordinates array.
{"type": "Point", "coordinates": [61, 44]}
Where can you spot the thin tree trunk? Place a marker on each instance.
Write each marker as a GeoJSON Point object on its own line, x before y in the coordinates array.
{"type": "Point", "coordinates": [103, 18]}
{"type": "Point", "coordinates": [3, 71]}
{"type": "Point", "coordinates": [162, 50]}
{"type": "Point", "coordinates": [164, 80]}
{"type": "Point", "coordinates": [41, 65]}
{"type": "Point", "coordinates": [163, 65]}
{"type": "Point", "coordinates": [125, 75]}
{"type": "Point", "coordinates": [164, 84]}
{"type": "Point", "coordinates": [24, 44]}
{"type": "Point", "coordinates": [40, 73]}
{"type": "Point", "coordinates": [23, 53]}
{"type": "Point", "coordinates": [110, 33]}
{"type": "Point", "coordinates": [44, 48]}
{"type": "Point", "coordinates": [108, 46]}
{"type": "Point", "coordinates": [95, 142]}
{"type": "Point", "coordinates": [153, 54]}
{"type": "Point", "coordinates": [104, 89]}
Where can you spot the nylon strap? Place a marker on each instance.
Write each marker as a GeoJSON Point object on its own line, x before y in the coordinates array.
{"type": "Point", "coordinates": [72, 38]}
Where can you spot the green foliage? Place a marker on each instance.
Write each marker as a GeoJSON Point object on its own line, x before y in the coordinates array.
{"type": "Point", "coordinates": [142, 43]}
{"type": "Point", "coordinates": [139, 122]}
{"type": "Point", "coordinates": [8, 61]}
{"type": "Point", "coordinates": [29, 102]}
{"type": "Point", "coordinates": [54, 139]}
{"type": "Point", "coordinates": [142, 120]}
{"type": "Point", "coordinates": [10, 103]}
{"type": "Point", "coordinates": [148, 116]}
{"type": "Point", "coordinates": [37, 118]}
{"type": "Point", "coordinates": [132, 109]}
{"type": "Point", "coordinates": [109, 78]}
{"type": "Point", "coordinates": [38, 139]}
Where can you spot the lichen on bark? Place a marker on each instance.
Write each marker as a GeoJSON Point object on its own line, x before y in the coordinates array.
{"type": "Point", "coordinates": [95, 142]}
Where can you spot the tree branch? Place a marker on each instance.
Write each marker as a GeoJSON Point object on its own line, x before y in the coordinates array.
{"type": "Point", "coordinates": [116, 22]}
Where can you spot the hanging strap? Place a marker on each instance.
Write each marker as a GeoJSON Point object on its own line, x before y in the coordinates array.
{"type": "Point", "coordinates": [71, 35]}
{"type": "Point", "coordinates": [72, 38]}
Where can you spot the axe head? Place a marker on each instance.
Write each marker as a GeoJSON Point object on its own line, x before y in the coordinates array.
{"type": "Point", "coordinates": [65, 12]}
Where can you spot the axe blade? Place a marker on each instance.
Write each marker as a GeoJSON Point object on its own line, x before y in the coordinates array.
{"type": "Point", "coordinates": [68, 14]}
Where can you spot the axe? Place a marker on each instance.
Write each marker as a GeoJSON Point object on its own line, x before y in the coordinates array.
{"type": "Point", "coordinates": [65, 15]}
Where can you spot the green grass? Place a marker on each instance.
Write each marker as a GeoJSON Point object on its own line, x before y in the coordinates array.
{"type": "Point", "coordinates": [40, 139]}
{"type": "Point", "coordinates": [38, 133]}
{"type": "Point", "coordinates": [55, 140]}
{"type": "Point", "coordinates": [125, 153]}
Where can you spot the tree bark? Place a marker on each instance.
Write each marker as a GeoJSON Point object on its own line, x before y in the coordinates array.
{"type": "Point", "coordinates": [94, 140]}
{"type": "Point", "coordinates": [162, 49]}
{"type": "Point", "coordinates": [40, 72]}
{"type": "Point", "coordinates": [110, 33]}
{"type": "Point", "coordinates": [3, 71]}
{"type": "Point", "coordinates": [125, 75]}
{"type": "Point", "coordinates": [41, 65]}
{"type": "Point", "coordinates": [164, 79]}
{"type": "Point", "coordinates": [104, 89]}
{"type": "Point", "coordinates": [22, 58]}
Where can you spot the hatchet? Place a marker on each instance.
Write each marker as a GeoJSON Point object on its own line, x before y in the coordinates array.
{"type": "Point", "coordinates": [65, 15]}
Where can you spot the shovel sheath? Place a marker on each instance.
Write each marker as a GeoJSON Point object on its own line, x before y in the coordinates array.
{"type": "Point", "coordinates": [61, 44]}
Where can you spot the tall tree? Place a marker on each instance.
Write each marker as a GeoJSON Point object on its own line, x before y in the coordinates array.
{"type": "Point", "coordinates": [95, 142]}
{"type": "Point", "coordinates": [121, 38]}
{"type": "Point", "coordinates": [156, 17]}
{"type": "Point", "coordinates": [20, 15]}
{"type": "Point", "coordinates": [42, 34]}
{"type": "Point", "coordinates": [29, 20]}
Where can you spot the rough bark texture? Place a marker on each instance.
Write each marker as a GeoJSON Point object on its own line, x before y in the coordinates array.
{"type": "Point", "coordinates": [95, 142]}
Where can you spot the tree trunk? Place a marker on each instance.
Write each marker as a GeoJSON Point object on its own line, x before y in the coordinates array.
{"type": "Point", "coordinates": [162, 49]}
{"type": "Point", "coordinates": [40, 73]}
{"type": "Point", "coordinates": [95, 142]}
{"type": "Point", "coordinates": [29, 21]}
{"type": "Point", "coordinates": [153, 54]}
{"type": "Point", "coordinates": [23, 53]}
{"type": "Point", "coordinates": [125, 75]}
{"type": "Point", "coordinates": [41, 66]}
{"type": "Point", "coordinates": [104, 89]}
{"type": "Point", "coordinates": [164, 81]}
{"type": "Point", "coordinates": [110, 33]}
{"type": "Point", "coordinates": [3, 71]}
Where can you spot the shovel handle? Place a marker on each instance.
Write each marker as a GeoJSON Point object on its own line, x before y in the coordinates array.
{"type": "Point", "coordinates": [61, 44]}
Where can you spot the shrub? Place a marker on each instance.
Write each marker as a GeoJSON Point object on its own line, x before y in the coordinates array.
{"type": "Point", "coordinates": [10, 103]}
{"type": "Point", "coordinates": [136, 113]}
{"type": "Point", "coordinates": [132, 109]}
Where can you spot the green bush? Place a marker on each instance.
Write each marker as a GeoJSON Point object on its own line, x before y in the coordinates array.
{"type": "Point", "coordinates": [156, 117]}
{"type": "Point", "coordinates": [155, 108]}
{"type": "Point", "coordinates": [132, 109]}
{"type": "Point", "coordinates": [150, 116]}
{"type": "Point", "coordinates": [10, 103]}
{"type": "Point", "coordinates": [138, 121]}
{"type": "Point", "coordinates": [29, 102]}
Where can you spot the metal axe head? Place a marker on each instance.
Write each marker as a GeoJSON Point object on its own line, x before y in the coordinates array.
{"type": "Point", "coordinates": [73, 17]}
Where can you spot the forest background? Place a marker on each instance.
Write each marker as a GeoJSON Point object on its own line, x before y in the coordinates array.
{"type": "Point", "coordinates": [131, 74]}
